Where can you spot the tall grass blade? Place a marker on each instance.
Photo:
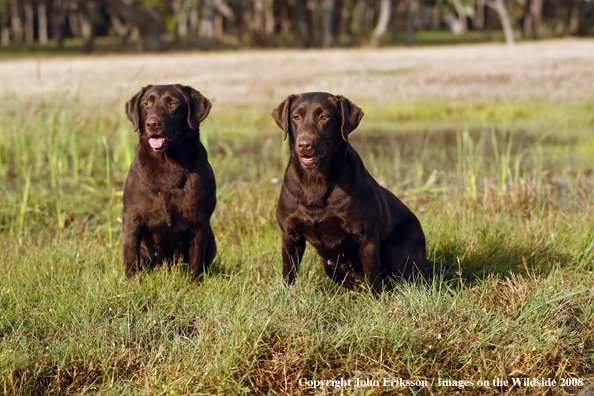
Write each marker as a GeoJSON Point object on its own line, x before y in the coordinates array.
{"type": "Point", "coordinates": [24, 203]}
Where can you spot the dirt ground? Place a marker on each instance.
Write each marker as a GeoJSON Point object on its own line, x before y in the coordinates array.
{"type": "Point", "coordinates": [551, 70]}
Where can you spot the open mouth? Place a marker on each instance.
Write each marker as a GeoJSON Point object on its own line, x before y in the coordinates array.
{"type": "Point", "coordinates": [312, 161]}
{"type": "Point", "coordinates": [161, 142]}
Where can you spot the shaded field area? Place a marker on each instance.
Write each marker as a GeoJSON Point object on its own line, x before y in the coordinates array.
{"type": "Point", "coordinates": [491, 147]}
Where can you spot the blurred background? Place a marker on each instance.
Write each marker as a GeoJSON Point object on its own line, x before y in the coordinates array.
{"type": "Point", "coordinates": [158, 25]}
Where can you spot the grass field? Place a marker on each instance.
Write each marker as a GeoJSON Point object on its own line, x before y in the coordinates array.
{"type": "Point", "coordinates": [490, 146]}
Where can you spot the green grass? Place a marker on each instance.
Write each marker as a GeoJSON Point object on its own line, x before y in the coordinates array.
{"type": "Point", "coordinates": [445, 37]}
{"type": "Point", "coordinates": [502, 191]}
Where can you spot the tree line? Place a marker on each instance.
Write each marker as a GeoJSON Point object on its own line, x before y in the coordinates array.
{"type": "Point", "coordinates": [295, 23]}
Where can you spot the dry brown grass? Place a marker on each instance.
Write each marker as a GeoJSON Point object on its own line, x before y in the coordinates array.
{"type": "Point", "coordinates": [551, 70]}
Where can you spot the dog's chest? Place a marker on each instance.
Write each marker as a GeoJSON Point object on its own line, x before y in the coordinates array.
{"type": "Point", "coordinates": [173, 211]}
{"type": "Point", "coordinates": [329, 234]}
{"type": "Point", "coordinates": [171, 224]}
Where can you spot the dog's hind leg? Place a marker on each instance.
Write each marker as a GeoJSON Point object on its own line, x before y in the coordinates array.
{"type": "Point", "coordinates": [402, 258]}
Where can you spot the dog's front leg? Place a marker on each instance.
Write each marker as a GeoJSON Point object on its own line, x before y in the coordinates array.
{"type": "Point", "coordinates": [369, 254]}
{"type": "Point", "coordinates": [131, 237]}
{"type": "Point", "coordinates": [197, 252]}
{"type": "Point", "coordinates": [292, 248]}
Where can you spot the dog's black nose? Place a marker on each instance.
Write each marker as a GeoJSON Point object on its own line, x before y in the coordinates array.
{"type": "Point", "coordinates": [153, 123]}
{"type": "Point", "coordinates": [305, 146]}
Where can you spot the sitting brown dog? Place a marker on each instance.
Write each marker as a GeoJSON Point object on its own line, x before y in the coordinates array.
{"type": "Point", "coordinates": [170, 189]}
{"type": "Point", "coordinates": [364, 233]}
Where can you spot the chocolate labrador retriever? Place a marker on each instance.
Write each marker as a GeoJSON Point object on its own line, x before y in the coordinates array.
{"type": "Point", "coordinates": [170, 189]}
{"type": "Point", "coordinates": [363, 232]}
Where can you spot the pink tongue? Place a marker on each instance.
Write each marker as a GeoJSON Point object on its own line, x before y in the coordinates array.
{"type": "Point", "coordinates": [156, 142]}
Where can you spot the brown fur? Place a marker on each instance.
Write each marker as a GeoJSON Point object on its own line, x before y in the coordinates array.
{"type": "Point", "coordinates": [170, 190]}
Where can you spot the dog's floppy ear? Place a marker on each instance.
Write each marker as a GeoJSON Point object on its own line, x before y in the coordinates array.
{"type": "Point", "coordinates": [198, 106]}
{"type": "Point", "coordinates": [133, 107]}
{"type": "Point", "coordinates": [351, 116]}
{"type": "Point", "coordinates": [281, 115]}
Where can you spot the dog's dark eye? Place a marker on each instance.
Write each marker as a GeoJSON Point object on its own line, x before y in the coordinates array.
{"type": "Point", "coordinates": [324, 117]}
{"type": "Point", "coordinates": [173, 104]}
{"type": "Point", "coordinates": [147, 103]}
{"type": "Point", "coordinates": [296, 117]}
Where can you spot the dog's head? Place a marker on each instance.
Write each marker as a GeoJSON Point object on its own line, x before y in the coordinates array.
{"type": "Point", "coordinates": [164, 114]}
{"type": "Point", "coordinates": [317, 124]}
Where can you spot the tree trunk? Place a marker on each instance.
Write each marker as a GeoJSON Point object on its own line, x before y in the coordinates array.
{"type": "Point", "coordinates": [262, 25]}
{"type": "Point", "coordinates": [536, 12]}
{"type": "Point", "coordinates": [73, 22]}
{"type": "Point", "coordinates": [574, 18]}
{"type": "Point", "coordinates": [81, 24]}
{"type": "Point", "coordinates": [461, 15]}
{"type": "Point", "coordinates": [228, 13]}
{"type": "Point", "coordinates": [182, 25]}
{"type": "Point", "coordinates": [119, 27]}
{"type": "Point", "coordinates": [218, 24]}
{"type": "Point", "coordinates": [399, 18]}
{"type": "Point", "coordinates": [560, 18]}
{"type": "Point", "coordinates": [382, 23]}
{"type": "Point", "coordinates": [180, 16]}
{"type": "Point", "coordinates": [58, 15]}
{"type": "Point", "coordinates": [305, 23]}
{"type": "Point", "coordinates": [344, 13]}
{"type": "Point", "coordinates": [585, 18]}
{"type": "Point", "coordinates": [328, 19]}
{"type": "Point", "coordinates": [480, 15]}
{"type": "Point", "coordinates": [149, 31]}
{"type": "Point", "coordinates": [566, 17]}
{"type": "Point", "coordinates": [499, 7]}
{"type": "Point", "coordinates": [86, 26]}
{"type": "Point", "coordinates": [257, 23]}
{"type": "Point", "coordinates": [436, 14]}
{"type": "Point", "coordinates": [411, 14]}
{"type": "Point", "coordinates": [194, 19]}
{"type": "Point", "coordinates": [29, 23]}
{"type": "Point", "coordinates": [207, 25]}
{"type": "Point", "coordinates": [285, 21]}
{"type": "Point", "coordinates": [15, 22]}
{"type": "Point", "coordinates": [268, 17]}
{"type": "Point", "coordinates": [528, 19]}
{"type": "Point", "coordinates": [368, 13]}
{"type": "Point", "coordinates": [42, 22]}
{"type": "Point", "coordinates": [5, 29]}
{"type": "Point", "coordinates": [134, 33]}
